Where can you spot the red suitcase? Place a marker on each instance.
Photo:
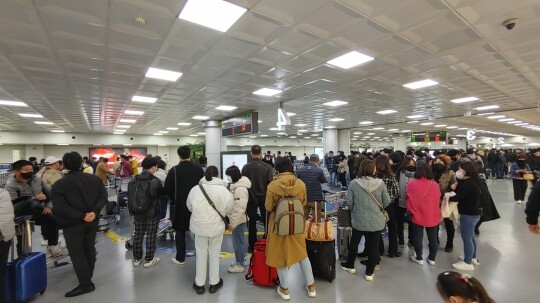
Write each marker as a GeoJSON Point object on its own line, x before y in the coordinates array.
{"type": "Point", "coordinates": [261, 273]}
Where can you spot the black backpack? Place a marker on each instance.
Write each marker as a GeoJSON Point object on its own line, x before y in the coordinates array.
{"type": "Point", "coordinates": [140, 198]}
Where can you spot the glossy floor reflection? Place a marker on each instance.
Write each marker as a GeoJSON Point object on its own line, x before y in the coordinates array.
{"type": "Point", "coordinates": [507, 251]}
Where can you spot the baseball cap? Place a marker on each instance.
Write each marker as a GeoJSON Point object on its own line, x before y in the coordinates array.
{"type": "Point", "coordinates": [51, 160]}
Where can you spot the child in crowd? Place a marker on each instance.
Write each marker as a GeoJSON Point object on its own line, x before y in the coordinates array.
{"type": "Point", "coordinates": [455, 287]}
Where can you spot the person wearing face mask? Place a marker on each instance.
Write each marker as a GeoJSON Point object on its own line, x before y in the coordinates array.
{"type": "Point", "coordinates": [446, 178]}
{"type": "Point", "coordinates": [405, 176]}
{"type": "Point", "coordinates": [26, 187]}
{"type": "Point", "coordinates": [517, 170]}
{"type": "Point", "coordinates": [146, 222]}
{"type": "Point", "coordinates": [239, 186]}
{"type": "Point", "coordinates": [467, 194]}
{"type": "Point", "coordinates": [455, 156]}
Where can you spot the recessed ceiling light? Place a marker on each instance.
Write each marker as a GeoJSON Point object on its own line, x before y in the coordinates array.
{"type": "Point", "coordinates": [267, 92]}
{"type": "Point", "coordinates": [335, 103]}
{"type": "Point", "coordinates": [357, 133]}
{"type": "Point", "coordinates": [487, 107]}
{"type": "Point", "coordinates": [329, 127]}
{"type": "Point", "coordinates": [300, 125]}
{"type": "Point", "coordinates": [462, 128]}
{"type": "Point", "coordinates": [371, 134]}
{"type": "Point", "coordinates": [123, 126]}
{"type": "Point", "coordinates": [127, 120]}
{"type": "Point", "coordinates": [263, 135]}
{"type": "Point", "coordinates": [158, 134]}
{"type": "Point", "coordinates": [143, 99]}
{"type": "Point", "coordinates": [427, 123]}
{"type": "Point", "coordinates": [163, 132]}
{"type": "Point", "coordinates": [291, 114]}
{"type": "Point", "coordinates": [120, 130]}
{"type": "Point", "coordinates": [12, 103]}
{"type": "Point", "coordinates": [485, 114]}
{"type": "Point", "coordinates": [184, 124]}
{"type": "Point", "coordinates": [194, 135]}
{"type": "Point", "coordinates": [62, 144]}
{"type": "Point", "coordinates": [302, 130]}
{"type": "Point", "coordinates": [260, 121]}
{"type": "Point", "coordinates": [57, 131]}
{"type": "Point", "coordinates": [507, 119]}
{"type": "Point", "coordinates": [215, 14]}
{"type": "Point", "coordinates": [162, 74]}
{"type": "Point", "coordinates": [405, 130]}
{"type": "Point", "coordinates": [43, 122]}
{"type": "Point", "coordinates": [336, 119]}
{"type": "Point", "coordinates": [496, 117]}
{"type": "Point", "coordinates": [281, 134]}
{"type": "Point", "coordinates": [308, 138]}
{"type": "Point", "coordinates": [172, 128]}
{"type": "Point", "coordinates": [201, 117]}
{"type": "Point", "coordinates": [522, 124]}
{"type": "Point", "coordinates": [393, 129]}
{"type": "Point", "coordinates": [350, 59]}
{"type": "Point", "coordinates": [452, 127]}
{"type": "Point", "coordinates": [414, 121]}
{"type": "Point", "coordinates": [31, 115]}
{"type": "Point", "coordinates": [378, 128]}
{"type": "Point", "coordinates": [386, 112]}
{"type": "Point", "coordinates": [118, 133]}
{"type": "Point", "coordinates": [440, 125]}
{"type": "Point", "coordinates": [226, 107]}
{"type": "Point", "coordinates": [415, 116]}
{"type": "Point", "coordinates": [514, 122]}
{"type": "Point", "coordinates": [463, 100]}
{"type": "Point", "coordinates": [134, 112]}
{"type": "Point", "coordinates": [365, 122]}
{"type": "Point", "coordinates": [420, 84]}
{"type": "Point", "coordinates": [273, 128]}
{"type": "Point", "coordinates": [202, 134]}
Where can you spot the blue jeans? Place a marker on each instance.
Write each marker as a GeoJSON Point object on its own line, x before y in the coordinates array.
{"type": "Point", "coordinates": [333, 178]}
{"type": "Point", "coordinates": [467, 224]}
{"type": "Point", "coordinates": [305, 265]}
{"type": "Point", "coordinates": [164, 203]}
{"type": "Point", "coordinates": [239, 243]}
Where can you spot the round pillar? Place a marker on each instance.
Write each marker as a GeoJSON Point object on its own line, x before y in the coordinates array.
{"type": "Point", "coordinates": [213, 143]}
{"type": "Point", "coordinates": [344, 141]}
{"type": "Point", "coordinates": [400, 142]}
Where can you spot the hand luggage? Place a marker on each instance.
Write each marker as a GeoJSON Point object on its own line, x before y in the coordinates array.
{"type": "Point", "coordinates": [343, 239]}
{"type": "Point", "coordinates": [319, 231]}
{"type": "Point", "coordinates": [322, 255]}
{"type": "Point", "coordinates": [122, 199]}
{"type": "Point", "coordinates": [258, 271]}
{"type": "Point", "coordinates": [27, 275]}
{"type": "Point", "coordinates": [344, 217]}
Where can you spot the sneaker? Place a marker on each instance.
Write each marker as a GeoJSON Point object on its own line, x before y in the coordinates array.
{"type": "Point", "coordinates": [136, 263]}
{"type": "Point", "coordinates": [54, 250]}
{"type": "Point", "coordinates": [178, 262]}
{"type": "Point", "coordinates": [369, 278]}
{"type": "Point", "coordinates": [448, 248]}
{"type": "Point", "coordinates": [432, 263]}
{"type": "Point", "coordinates": [347, 269]}
{"type": "Point", "coordinates": [198, 289]}
{"type": "Point", "coordinates": [311, 291]}
{"type": "Point", "coordinates": [461, 265]}
{"type": "Point", "coordinates": [377, 266]}
{"type": "Point", "coordinates": [519, 201]}
{"type": "Point", "coordinates": [283, 293]}
{"type": "Point", "coordinates": [419, 262]}
{"type": "Point", "coordinates": [235, 268]}
{"type": "Point", "coordinates": [474, 260]}
{"type": "Point", "coordinates": [214, 288]}
{"type": "Point", "coordinates": [151, 263]}
{"type": "Point", "coordinates": [44, 242]}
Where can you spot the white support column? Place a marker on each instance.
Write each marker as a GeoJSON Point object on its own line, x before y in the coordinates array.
{"type": "Point", "coordinates": [330, 140]}
{"type": "Point", "coordinates": [213, 143]}
{"type": "Point", "coordinates": [400, 142]}
{"type": "Point", "coordinates": [344, 141]}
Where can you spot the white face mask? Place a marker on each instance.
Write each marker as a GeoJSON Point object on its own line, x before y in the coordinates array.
{"type": "Point", "coordinates": [85, 165]}
{"type": "Point", "coordinates": [391, 162]}
{"type": "Point", "coordinates": [459, 174]}
{"type": "Point", "coordinates": [229, 179]}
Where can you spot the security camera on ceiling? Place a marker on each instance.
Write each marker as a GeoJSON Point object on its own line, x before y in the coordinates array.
{"type": "Point", "coordinates": [510, 23]}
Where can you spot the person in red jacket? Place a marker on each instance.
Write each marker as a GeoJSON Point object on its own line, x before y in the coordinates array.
{"type": "Point", "coordinates": [423, 196]}
{"type": "Point", "coordinates": [126, 169]}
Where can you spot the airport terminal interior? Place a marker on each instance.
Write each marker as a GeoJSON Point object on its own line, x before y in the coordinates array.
{"type": "Point", "coordinates": [107, 78]}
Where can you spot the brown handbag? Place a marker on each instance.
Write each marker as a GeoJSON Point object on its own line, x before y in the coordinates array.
{"type": "Point", "coordinates": [319, 231]}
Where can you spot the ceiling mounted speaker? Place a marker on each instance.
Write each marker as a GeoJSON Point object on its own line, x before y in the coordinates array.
{"type": "Point", "coordinates": [140, 20]}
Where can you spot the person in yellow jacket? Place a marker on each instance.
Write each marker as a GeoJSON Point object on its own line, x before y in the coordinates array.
{"type": "Point", "coordinates": [134, 165]}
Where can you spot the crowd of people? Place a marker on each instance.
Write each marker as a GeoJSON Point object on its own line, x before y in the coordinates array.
{"type": "Point", "coordinates": [384, 190]}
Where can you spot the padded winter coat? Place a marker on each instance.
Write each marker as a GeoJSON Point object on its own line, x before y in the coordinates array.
{"type": "Point", "coordinates": [241, 197]}
{"type": "Point", "coordinates": [365, 214]}
{"type": "Point", "coordinates": [7, 226]}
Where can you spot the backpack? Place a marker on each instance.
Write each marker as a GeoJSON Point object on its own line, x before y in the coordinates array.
{"type": "Point", "coordinates": [252, 205]}
{"type": "Point", "coordinates": [140, 198]}
{"type": "Point", "coordinates": [289, 216]}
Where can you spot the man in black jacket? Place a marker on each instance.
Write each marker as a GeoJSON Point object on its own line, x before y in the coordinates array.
{"type": "Point", "coordinates": [78, 199]}
{"type": "Point", "coordinates": [312, 176]}
{"type": "Point", "coordinates": [179, 182]}
{"type": "Point", "coordinates": [260, 174]}
{"type": "Point", "coordinates": [533, 209]}
{"type": "Point", "coordinates": [494, 164]}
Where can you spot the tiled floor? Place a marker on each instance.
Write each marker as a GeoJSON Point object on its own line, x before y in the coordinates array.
{"type": "Point", "coordinates": [508, 253]}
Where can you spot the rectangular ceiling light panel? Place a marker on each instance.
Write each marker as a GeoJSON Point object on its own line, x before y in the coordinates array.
{"type": "Point", "coordinates": [184, 123]}
{"type": "Point", "coordinates": [134, 112]}
{"type": "Point", "coordinates": [336, 119]}
{"type": "Point", "coordinates": [162, 74]}
{"type": "Point", "coordinates": [487, 107]}
{"type": "Point", "coordinates": [267, 92]}
{"type": "Point", "coordinates": [335, 103]}
{"type": "Point", "coordinates": [420, 84]}
{"type": "Point", "coordinates": [43, 122]}
{"type": "Point", "coordinates": [143, 99]}
{"type": "Point", "coordinates": [127, 120]}
{"type": "Point", "coordinates": [350, 60]}
{"type": "Point", "coordinates": [31, 115]}
{"type": "Point", "coordinates": [463, 100]}
{"type": "Point", "coordinates": [200, 117]}
{"type": "Point", "coordinates": [12, 103]}
{"type": "Point", "coordinates": [226, 107]}
{"type": "Point", "coordinates": [386, 112]}
{"type": "Point", "coordinates": [215, 14]}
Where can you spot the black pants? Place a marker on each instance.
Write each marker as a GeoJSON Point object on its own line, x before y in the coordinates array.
{"type": "Point", "coordinates": [418, 236]}
{"type": "Point", "coordinates": [343, 179]}
{"type": "Point", "coordinates": [4, 252]}
{"type": "Point", "coordinates": [180, 245]}
{"type": "Point", "coordinates": [520, 188]}
{"type": "Point", "coordinates": [400, 222]}
{"type": "Point", "coordinates": [392, 231]}
{"type": "Point", "coordinates": [49, 230]}
{"type": "Point", "coordinates": [450, 232]}
{"type": "Point", "coordinates": [80, 242]}
{"type": "Point", "coordinates": [252, 225]}
{"type": "Point", "coordinates": [372, 249]}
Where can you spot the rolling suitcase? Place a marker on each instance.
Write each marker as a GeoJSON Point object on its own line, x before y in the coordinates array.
{"type": "Point", "coordinates": [27, 275]}
{"type": "Point", "coordinates": [322, 255]}
{"type": "Point", "coordinates": [343, 239]}
{"type": "Point", "coordinates": [258, 271]}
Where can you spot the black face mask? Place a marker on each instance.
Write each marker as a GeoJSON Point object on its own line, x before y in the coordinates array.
{"type": "Point", "coordinates": [438, 167]}
{"type": "Point", "coordinates": [521, 161]}
{"type": "Point", "coordinates": [27, 176]}
{"type": "Point", "coordinates": [411, 168]}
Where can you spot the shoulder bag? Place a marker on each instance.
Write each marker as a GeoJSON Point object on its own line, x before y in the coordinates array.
{"type": "Point", "coordinates": [224, 219]}
{"type": "Point", "coordinates": [385, 214]}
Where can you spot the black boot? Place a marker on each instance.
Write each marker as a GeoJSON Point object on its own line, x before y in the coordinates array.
{"type": "Point", "coordinates": [81, 290]}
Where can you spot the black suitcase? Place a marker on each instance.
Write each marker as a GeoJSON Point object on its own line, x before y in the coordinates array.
{"type": "Point", "coordinates": [344, 235]}
{"type": "Point", "coordinates": [122, 199]}
{"type": "Point", "coordinates": [322, 255]}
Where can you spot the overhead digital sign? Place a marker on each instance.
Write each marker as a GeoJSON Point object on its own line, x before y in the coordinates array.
{"type": "Point", "coordinates": [244, 124]}
{"type": "Point", "coordinates": [440, 136]}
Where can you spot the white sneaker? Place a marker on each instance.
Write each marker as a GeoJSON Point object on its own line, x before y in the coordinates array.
{"type": "Point", "coordinates": [235, 268]}
{"type": "Point", "coordinates": [369, 278]}
{"type": "Point", "coordinates": [419, 262]}
{"type": "Point", "coordinates": [178, 262]}
{"type": "Point", "coordinates": [44, 242]}
{"type": "Point", "coordinates": [519, 201]}
{"type": "Point", "coordinates": [55, 250]}
{"type": "Point", "coordinates": [311, 293]}
{"type": "Point", "coordinates": [432, 263]}
{"type": "Point", "coordinates": [284, 296]}
{"type": "Point", "coordinates": [461, 265]}
{"type": "Point", "coordinates": [136, 263]}
{"type": "Point", "coordinates": [151, 263]}
{"type": "Point", "coordinates": [475, 261]}
{"type": "Point", "coordinates": [349, 270]}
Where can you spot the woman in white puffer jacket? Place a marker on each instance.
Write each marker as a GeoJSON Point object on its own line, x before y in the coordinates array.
{"type": "Point", "coordinates": [7, 232]}
{"type": "Point", "coordinates": [239, 186]}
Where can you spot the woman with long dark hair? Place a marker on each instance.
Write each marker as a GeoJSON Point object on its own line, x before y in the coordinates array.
{"type": "Point", "coordinates": [517, 170]}
{"type": "Point", "coordinates": [446, 178]}
{"type": "Point", "coordinates": [457, 287]}
{"type": "Point", "coordinates": [384, 172]}
{"type": "Point", "coordinates": [406, 174]}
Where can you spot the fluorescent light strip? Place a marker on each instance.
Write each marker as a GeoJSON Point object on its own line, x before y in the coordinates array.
{"type": "Point", "coordinates": [162, 74]}
{"type": "Point", "coordinates": [127, 120]}
{"type": "Point", "coordinates": [300, 125]}
{"type": "Point", "coordinates": [123, 126]}
{"type": "Point", "coordinates": [31, 115]}
{"type": "Point", "coordinates": [487, 107]}
{"type": "Point", "coordinates": [12, 103]}
{"type": "Point", "coordinates": [57, 131]}
{"type": "Point", "coordinates": [267, 92]}
{"type": "Point", "coordinates": [386, 112]}
{"type": "Point", "coordinates": [465, 99]}
{"type": "Point", "coordinates": [335, 103]}
{"type": "Point", "coordinates": [427, 123]}
{"type": "Point", "coordinates": [415, 116]}
{"type": "Point", "coordinates": [201, 117]}
{"type": "Point", "coordinates": [215, 14]}
{"type": "Point", "coordinates": [365, 122]}
{"type": "Point", "coordinates": [184, 124]}
{"type": "Point", "coordinates": [420, 84]}
{"type": "Point", "coordinates": [172, 128]}
{"type": "Point", "coordinates": [226, 107]}
{"type": "Point", "coordinates": [43, 122]}
{"type": "Point", "coordinates": [336, 119]}
{"type": "Point", "coordinates": [134, 112]}
{"type": "Point", "coordinates": [291, 114]}
{"type": "Point", "coordinates": [350, 60]}
{"type": "Point", "coordinates": [496, 117]}
{"type": "Point", "coordinates": [143, 99]}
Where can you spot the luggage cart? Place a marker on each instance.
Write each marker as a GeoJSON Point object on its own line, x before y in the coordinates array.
{"type": "Point", "coordinates": [164, 229]}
